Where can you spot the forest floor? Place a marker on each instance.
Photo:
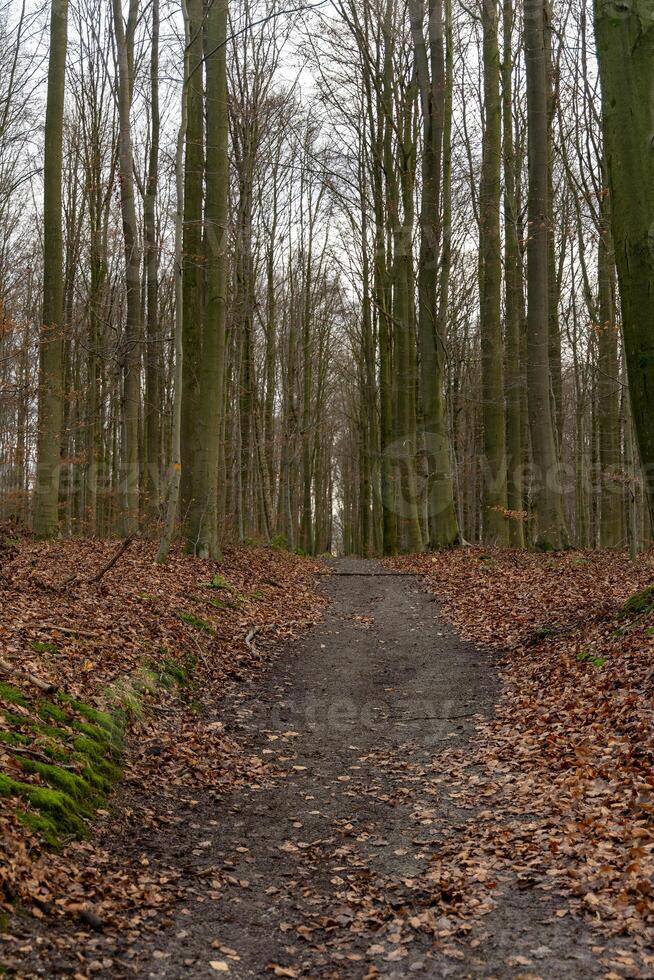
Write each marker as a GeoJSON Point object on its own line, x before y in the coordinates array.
{"type": "Point", "coordinates": [380, 797]}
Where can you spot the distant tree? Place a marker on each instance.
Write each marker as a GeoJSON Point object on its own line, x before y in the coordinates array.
{"type": "Point", "coordinates": [625, 48]}
{"type": "Point", "coordinates": [46, 516]}
{"type": "Point", "coordinates": [495, 525]}
{"type": "Point", "coordinates": [131, 347]}
{"type": "Point", "coordinates": [551, 530]}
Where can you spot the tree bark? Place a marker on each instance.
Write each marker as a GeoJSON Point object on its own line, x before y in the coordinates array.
{"type": "Point", "coordinates": [625, 48]}
{"type": "Point", "coordinates": [608, 392]}
{"type": "Point", "coordinates": [193, 267]}
{"type": "Point", "coordinates": [550, 525]}
{"type": "Point", "coordinates": [172, 505]}
{"type": "Point", "coordinates": [131, 359]}
{"type": "Point", "coordinates": [46, 507]}
{"type": "Point", "coordinates": [213, 348]}
{"type": "Point", "coordinates": [495, 529]}
{"type": "Point", "coordinates": [513, 293]}
{"type": "Point", "coordinates": [153, 353]}
{"type": "Point", "coordinates": [430, 69]}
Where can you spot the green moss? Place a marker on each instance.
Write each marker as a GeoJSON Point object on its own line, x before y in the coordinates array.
{"type": "Point", "coordinates": [178, 671]}
{"type": "Point", "coordinates": [50, 730]}
{"type": "Point", "coordinates": [193, 620]}
{"type": "Point", "coordinates": [88, 747]}
{"type": "Point", "coordinates": [84, 744]}
{"type": "Point", "coordinates": [13, 738]}
{"type": "Point", "coordinates": [62, 779]}
{"type": "Point", "coordinates": [543, 633]}
{"type": "Point", "coordinates": [101, 777]}
{"type": "Point", "coordinates": [14, 720]}
{"type": "Point", "coordinates": [55, 804]}
{"type": "Point", "coordinates": [56, 752]}
{"type": "Point", "coordinates": [52, 712]}
{"type": "Point", "coordinates": [98, 734]}
{"type": "Point", "coordinates": [12, 695]}
{"type": "Point", "coordinates": [59, 807]}
{"type": "Point", "coordinates": [5, 785]}
{"type": "Point", "coordinates": [220, 604]}
{"type": "Point", "coordinates": [90, 756]}
{"type": "Point", "coordinates": [41, 824]}
{"type": "Point", "coordinates": [640, 604]}
{"type": "Point", "coordinates": [586, 657]}
{"type": "Point", "coordinates": [219, 582]}
{"type": "Point", "coordinates": [98, 725]}
{"type": "Point", "coordinates": [39, 647]}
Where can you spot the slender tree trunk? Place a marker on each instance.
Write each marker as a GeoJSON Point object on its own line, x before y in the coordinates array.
{"type": "Point", "coordinates": [131, 359]}
{"type": "Point", "coordinates": [608, 393]}
{"type": "Point", "coordinates": [367, 401]}
{"type": "Point", "coordinates": [551, 530]}
{"type": "Point", "coordinates": [213, 348]}
{"type": "Point", "coordinates": [430, 68]}
{"type": "Point", "coordinates": [625, 47]}
{"type": "Point", "coordinates": [495, 529]}
{"type": "Point", "coordinates": [193, 265]}
{"type": "Point", "coordinates": [307, 524]}
{"type": "Point", "coordinates": [513, 290]}
{"type": "Point", "coordinates": [46, 516]}
{"type": "Point", "coordinates": [172, 505]}
{"type": "Point", "coordinates": [153, 391]}
{"type": "Point", "coordinates": [384, 164]}
{"type": "Point", "coordinates": [556, 371]}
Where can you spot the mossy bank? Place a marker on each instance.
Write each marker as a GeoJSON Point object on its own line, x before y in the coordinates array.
{"type": "Point", "coordinates": [64, 755]}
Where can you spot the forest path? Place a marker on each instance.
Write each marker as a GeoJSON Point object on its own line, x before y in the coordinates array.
{"type": "Point", "coordinates": [325, 867]}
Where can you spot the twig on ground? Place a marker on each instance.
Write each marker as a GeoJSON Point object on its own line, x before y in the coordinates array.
{"type": "Point", "coordinates": [38, 757]}
{"type": "Point", "coordinates": [73, 631]}
{"type": "Point", "coordinates": [91, 580]}
{"type": "Point", "coordinates": [110, 564]}
{"type": "Point", "coordinates": [12, 669]}
{"type": "Point", "coordinates": [249, 639]}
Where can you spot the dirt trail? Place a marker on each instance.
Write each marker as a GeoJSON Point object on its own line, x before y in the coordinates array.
{"type": "Point", "coordinates": [331, 868]}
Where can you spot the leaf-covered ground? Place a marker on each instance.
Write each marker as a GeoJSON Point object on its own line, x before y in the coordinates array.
{"type": "Point", "coordinates": [160, 645]}
{"type": "Point", "coordinates": [339, 807]}
{"type": "Point", "coordinates": [566, 767]}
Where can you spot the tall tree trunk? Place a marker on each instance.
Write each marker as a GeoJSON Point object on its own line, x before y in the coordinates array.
{"type": "Point", "coordinates": [213, 348]}
{"type": "Point", "coordinates": [383, 164]}
{"type": "Point", "coordinates": [153, 354]}
{"type": "Point", "coordinates": [131, 359]}
{"type": "Point", "coordinates": [172, 504]}
{"type": "Point", "coordinates": [367, 401]}
{"type": "Point", "coordinates": [513, 290]}
{"type": "Point", "coordinates": [430, 68]}
{"type": "Point", "coordinates": [495, 528]}
{"type": "Point", "coordinates": [551, 530]}
{"type": "Point", "coordinates": [307, 525]}
{"type": "Point", "coordinates": [404, 334]}
{"type": "Point", "coordinates": [608, 391]}
{"type": "Point", "coordinates": [193, 508]}
{"type": "Point", "coordinates": [46, 517]}
{"type": "Point", "coordinates": [625, 47]}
